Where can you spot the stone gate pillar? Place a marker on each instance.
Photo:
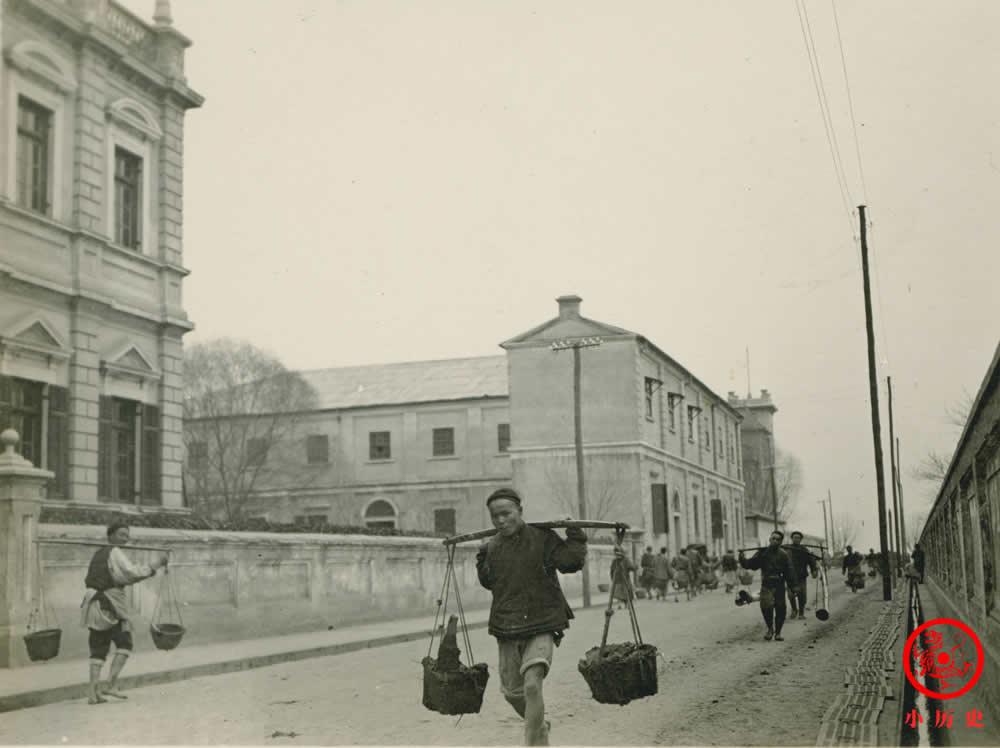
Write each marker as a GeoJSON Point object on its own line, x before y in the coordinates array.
{"type": "Point", "coordinates": [22, 487]}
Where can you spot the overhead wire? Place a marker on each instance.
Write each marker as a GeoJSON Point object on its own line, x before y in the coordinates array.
{"type": "Point", "coordinates": [850, 103]}
{"type": "Point", "coordinates": [818, 87]}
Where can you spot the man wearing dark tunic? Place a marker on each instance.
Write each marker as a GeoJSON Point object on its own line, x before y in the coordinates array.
{"type": "Point", "coordinates": [803, 563]}
{"type": "Point", "coordinates": [529, 612]}
{"type": "Point", "coordinates": [105, 609]}
{"type": "Point", "coordinates": [775, 571]}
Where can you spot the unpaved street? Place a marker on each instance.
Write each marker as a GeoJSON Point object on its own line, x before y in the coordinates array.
{"type": "Point", "coordinates": [715, 664]}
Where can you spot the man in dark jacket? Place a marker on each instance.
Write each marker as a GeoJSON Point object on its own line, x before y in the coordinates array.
{"type": "Point", "coordinates": [918, 560]}
{"type": "Point", "coordinates": [803, 562]}
{"type": "Point", "coordinates": [646, 573]}
{"type": "Point", "coordinates": [775, 571]}
{"type": "Point", "coordinates": [529, 612]}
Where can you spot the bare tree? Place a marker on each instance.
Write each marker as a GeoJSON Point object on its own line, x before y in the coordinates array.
{"type": "Point", "coordinates": [787, 481]}
{"type": "Point", "coordinates": [606, 482]}
{"type": "Point", "coordinates": [844, 531]}
{"type": "Point", "coordinates": [242, 411]}
{"type": "Point", "coordinates": [933, 466]}
{"type": "Point", "coordinates": [914, 526]}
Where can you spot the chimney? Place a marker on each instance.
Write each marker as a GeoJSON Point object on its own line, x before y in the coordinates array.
{"type": "Point", "coordinates": [162, 15]}
{"type": "Point", "coordinates": [569, 306]}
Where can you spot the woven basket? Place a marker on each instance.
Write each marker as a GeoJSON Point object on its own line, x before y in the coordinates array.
{"type": "Point", "coordinates": [43, 645]}
{"type": "Point", "coordinates": [626, 672]}
{"type": "Point", "coordinates": [166, 635]}
{"type": "Point", "coordinates": [456, 691]}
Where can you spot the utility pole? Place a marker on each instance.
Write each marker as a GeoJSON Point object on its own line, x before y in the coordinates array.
{"type": "Point", "coordinates": [576, 344]}
{"type": "Point", "coordinates": [895, 482]}
{"type": "Point", "coordinates": [876, 430]}
{"type": "Point", "coordinates": [774, 486]}
{"type": "Point", "coordinates": [902, 510]}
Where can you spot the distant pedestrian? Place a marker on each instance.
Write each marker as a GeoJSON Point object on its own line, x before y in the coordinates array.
{"type": "Point", "coordinates": [872, 559]}
{"type": "Point", "coordinates": [776, 571]}
{"type": "Point", "coordinates": [646, 580]}
{"type": "Point", "coordinates": [851, 567]}
{"type": "Point", "coordinates": [918, 560]}
{"type": "Point", "coordinates": [529, 612]}
{"type": "Point", "coordinates": [662, 574]}
{"type": "Point", "coordinates": [621, 567]}
{"type": "Point", "coordinates": [803, 563]}
{"type": "Point", "coordinates": [695, 563]}
{"type": "Point", "coordinates": [681, 565]}
{"type": "Point", "coordinates": [105, 609]}
{"type": "Point", "coordinates": [729, 566]}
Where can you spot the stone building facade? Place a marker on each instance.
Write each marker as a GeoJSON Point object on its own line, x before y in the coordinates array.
{"type": "Point", "coordinates": [662, 451]}
{"type": "Point", "coordinates": [91, 263]}
{"type": "Point", "coordinates": [419, 445]}
{"type": "Point", "coordinates": [413, 445]}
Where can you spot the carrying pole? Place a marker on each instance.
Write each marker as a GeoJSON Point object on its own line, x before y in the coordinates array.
{"type": "Point", "coordinates": [876, 429]}
{"type": "Point", "coordinates": [97, 544]}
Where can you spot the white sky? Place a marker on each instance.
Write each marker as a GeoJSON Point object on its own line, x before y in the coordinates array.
{"type": "Point", "coordinates": [383, 181]}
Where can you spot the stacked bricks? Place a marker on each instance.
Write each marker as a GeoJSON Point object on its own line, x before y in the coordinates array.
{"type": "Point", "coordinates": [852, 718]}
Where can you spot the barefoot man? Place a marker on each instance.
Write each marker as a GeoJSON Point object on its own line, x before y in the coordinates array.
{"type": "Point", "coordinates": [105, 610]}
{"type": "Point", "coordinates": [529, 612]}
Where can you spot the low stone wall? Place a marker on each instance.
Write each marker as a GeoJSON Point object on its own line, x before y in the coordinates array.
{"type": "Point", "coordinates": [246, 585]}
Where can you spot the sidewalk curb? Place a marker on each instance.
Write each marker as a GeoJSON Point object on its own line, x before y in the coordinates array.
{"type": "Point", "coordinates": [40, 697]}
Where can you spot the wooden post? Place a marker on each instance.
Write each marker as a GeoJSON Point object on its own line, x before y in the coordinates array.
{"type": "Point", "coordinates": [876, 429]}
{"type": "Point", "coordinates": [892, 461]}
{"type": "Point", "coordinates": [902, 509]}
{"type": "Point", "coordinates": [580, 489]}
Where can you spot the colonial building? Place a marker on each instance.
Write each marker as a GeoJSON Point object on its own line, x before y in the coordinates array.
{"type": "Point", "coordinates": [415, 445]}
{"type": "Point", "coordinates": [662, 451]}
{"type": "Point", "coordinates": [91, 268]}
{"type": "Point", "coordinates": [420, 445]}
{"type": "Point", "coordinates": [757, 437]}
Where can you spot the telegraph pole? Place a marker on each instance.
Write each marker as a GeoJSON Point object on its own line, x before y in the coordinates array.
{"type": "Point", "coordinates": [902, 509]}
{"type": "Point", "coordinates": [895, 482]}
{"type": "Point", "coordinates": [576, 344]}
{"type": "Point", "coordinates": [774, 485]}
{"type": "Point", "coordinates": [876, 430]}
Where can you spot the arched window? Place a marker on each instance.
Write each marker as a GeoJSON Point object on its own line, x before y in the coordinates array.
{"type": "Point", "coordinates": [677, 502]}
{"type": "Point", "coordinates": [380, 514]}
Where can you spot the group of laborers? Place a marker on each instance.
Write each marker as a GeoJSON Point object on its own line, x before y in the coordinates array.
{"type": "Point", "coordinates": [690, 570]}
{"type": "Point", "coordinates": [783, 570]}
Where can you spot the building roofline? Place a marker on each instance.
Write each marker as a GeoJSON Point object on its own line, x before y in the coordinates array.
{"type": "Point", "coordinates": [974, 413]}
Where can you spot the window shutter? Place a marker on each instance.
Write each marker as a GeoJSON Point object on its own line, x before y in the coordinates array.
{"type": "Point", "coordinates": [104, 450]}
{"type": "Point", "coordinates": [150, 475]}
{"type": "Point", "coordinates": [716, 506]}
{"type": "Point", "coordinates": [659, 498]}
{"type": "Point", "coordinates": [58, 438]}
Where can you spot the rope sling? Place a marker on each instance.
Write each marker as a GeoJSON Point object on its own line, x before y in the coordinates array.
{"type": "Point", "coordinates": [165, 635]}
{"type": "Point", "coordinates": [44, 635]}
{"type": "Point", "coordinates": [620, 673]}
{"type": "Point", "coordinates": [449, 686]}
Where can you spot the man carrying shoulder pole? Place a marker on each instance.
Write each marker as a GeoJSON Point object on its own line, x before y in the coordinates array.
{"type": "Point", "coordinates": [775, 571]}
{"type": "Point", "coordinates": [529, 612]}
{"type": "Point", "coordinates": [105, 609]}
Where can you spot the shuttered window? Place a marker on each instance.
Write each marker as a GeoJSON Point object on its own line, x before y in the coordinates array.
{"type": "Point", "coordinates": [659, 498]}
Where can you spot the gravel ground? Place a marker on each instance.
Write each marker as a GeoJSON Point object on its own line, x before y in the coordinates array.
{"type": "Point", "coordinates": [720, 684]}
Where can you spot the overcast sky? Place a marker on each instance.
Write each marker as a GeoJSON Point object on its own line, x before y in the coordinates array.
{"type": "Point", "coordinates": [383, 181]}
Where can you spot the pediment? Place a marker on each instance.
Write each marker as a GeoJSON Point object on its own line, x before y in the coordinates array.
{"type": "Point", "coordinates": [566, 327]}
{"type": "Point", "coordinates": [30, 56]}
{"type": "Point", "coordinates": [34, 335]}
{"type": "Point", "coordinates": [129, 361]}
{"type": "Point", "coordinates": [134, 115]}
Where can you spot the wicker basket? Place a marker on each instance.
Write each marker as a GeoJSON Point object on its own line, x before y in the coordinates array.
{"type": "Point", "coordinates": [43, 645]}
{"type": "Point", "coordinates": [625, 672]}
{"type": "Point", "coordinates": [456, 691]}
{"type": "Point", "coordinates": [166, 635]}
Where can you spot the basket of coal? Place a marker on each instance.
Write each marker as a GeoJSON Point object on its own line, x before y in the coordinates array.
{"type": "Point", "coordinates": [43, 645]}
{"type": "Point", "coordinates": [621, 673]}
{"type": "Point", "coordinates": [449, 686]}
